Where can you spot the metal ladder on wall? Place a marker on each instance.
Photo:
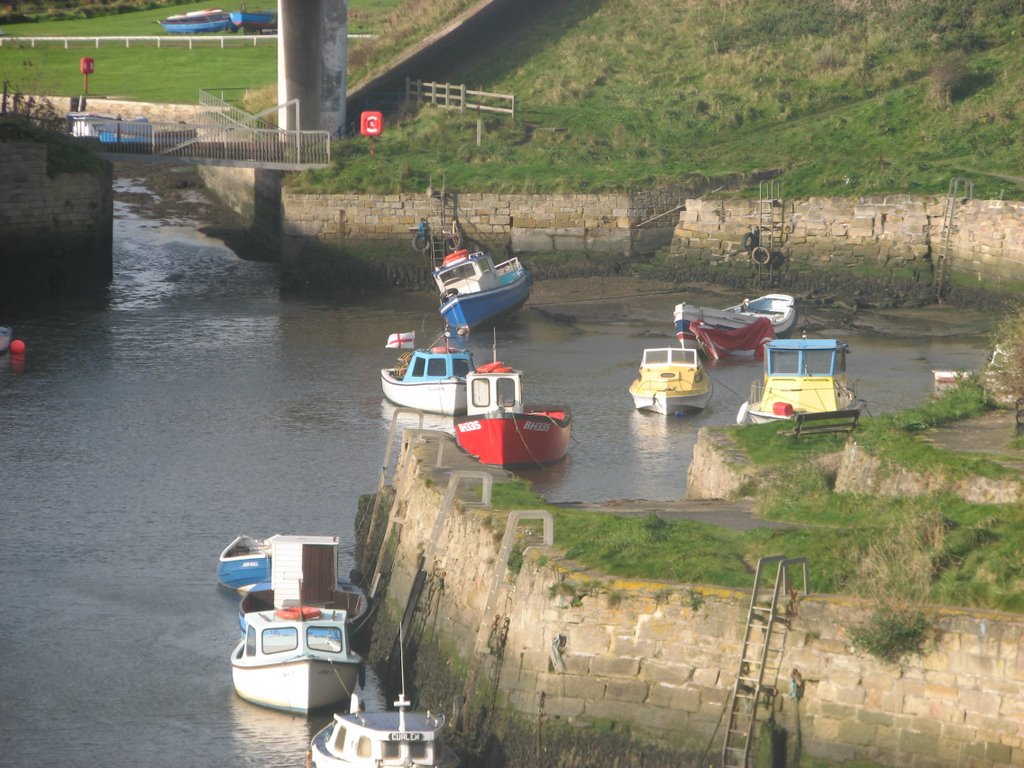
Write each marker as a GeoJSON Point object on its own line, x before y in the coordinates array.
{"type": "Point", "coordinates": [770, 229]}
{"type": "Point", "coordinates": [959, 189]}
{"type": "Point", "coordinates": [761, 657]}
{"type": "Point", "coordinates": [445, 232]}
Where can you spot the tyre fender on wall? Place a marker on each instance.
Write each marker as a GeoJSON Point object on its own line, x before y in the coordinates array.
{"type": "Point", "coordinates": [761, 255]}
{"type": "Point", "coordinates": [751, 240]}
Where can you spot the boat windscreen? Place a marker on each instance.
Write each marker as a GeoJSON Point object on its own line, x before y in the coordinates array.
{"type": "Point", "coordinates": [818, 362]}
{"type": "Point", "coordinates": [437, 366]}
{"type": "Point", "coordinates": [783, 362]}
{"type": "Point", "coordinates": [460, 367]}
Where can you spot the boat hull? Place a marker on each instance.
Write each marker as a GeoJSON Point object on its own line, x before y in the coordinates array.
{"type": "Point", "coordinates": [299, 685]}
{"type": "Point", "coordinates": [779, 309]}
{"type": "Point", "coordinates": [668, 403]}
{"type": "Point", "coordinates": [442, 397]}
{"type": "Point", "coordinates": [472, 310]}
{"type": "Point", "coordinates": [242, 573]}
{"type": "Point", "coordinates": [197, 23]}
{"type": "Point", "coordinates": [538, 436]}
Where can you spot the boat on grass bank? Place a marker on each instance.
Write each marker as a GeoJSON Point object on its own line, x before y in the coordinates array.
{"type": "Point", "coordinates": [476, 292]}
{"type": "Point", "coordinates": [253, 22]}
{"type": "Point", "coordinates": [671, 380]}
{"type": "Point", "coordinates": [800, 376]}
{"type": "Point", "coordinates": [198, 22]}
{"type": "Point", "coordinates": [500, 429]}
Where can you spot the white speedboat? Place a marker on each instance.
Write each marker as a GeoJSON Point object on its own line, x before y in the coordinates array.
{"type": "Point", "coordinates": [243, 563]}
{"type": "Point", "coordinates": [381, 739]}
{"type": "Point", "coordinates": [778, 308]}
{"type": "Point", "coordinates": [671, 380]}
{"type": "Point", "coordinates": [800, 376]}
{"type": "Point", "coordinates": [295, 659]}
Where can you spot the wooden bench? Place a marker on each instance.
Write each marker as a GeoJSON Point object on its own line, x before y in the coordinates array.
{"type": "Point", "coordinates": [827, 422]}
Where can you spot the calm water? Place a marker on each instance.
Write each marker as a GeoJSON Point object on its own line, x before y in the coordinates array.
{"type": "Point", "coordinates": [143, 431]}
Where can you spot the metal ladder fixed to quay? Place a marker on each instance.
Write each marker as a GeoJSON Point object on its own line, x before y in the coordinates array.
{"type": "Point", "coordinates": [960, 190]}
{"type": "Point", "coordinates": [770, 229]}
{"type": "Point", "coordinates": [446, 234]}
{"type": "Point", "coordinates": [764, 641]}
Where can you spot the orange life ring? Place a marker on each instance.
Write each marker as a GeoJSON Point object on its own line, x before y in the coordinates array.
{"type": "Point", "coordinates": [496, 367]}
{"type": "Point", "coordinates": [439, 350]}
{"type": "Point", "coordinates": [451, 258]}
{"type": "Point", "coordinates": [305, 613]}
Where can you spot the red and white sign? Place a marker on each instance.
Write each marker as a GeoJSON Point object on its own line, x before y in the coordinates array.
{"type": "Point", "coordinates": [87, 66]}
{"type": "Point", "coordinates": [371, 123]}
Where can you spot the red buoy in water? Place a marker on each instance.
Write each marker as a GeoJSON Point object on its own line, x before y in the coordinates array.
{"type": "Point", "coordinates": [17, 347]}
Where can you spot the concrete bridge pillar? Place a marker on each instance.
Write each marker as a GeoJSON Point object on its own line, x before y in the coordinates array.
{"type": "Point", "coordinates": [312, 53]}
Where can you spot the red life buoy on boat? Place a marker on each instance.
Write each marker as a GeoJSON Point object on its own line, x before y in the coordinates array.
{"type": "Point", "coordinates": [305, 612]}
{"type": "Point", "coordinates": [439, 350]}
{"type": "Point", "coordinates": [496, 367]}
{"type": "Point", "coordinates": [451, 258]}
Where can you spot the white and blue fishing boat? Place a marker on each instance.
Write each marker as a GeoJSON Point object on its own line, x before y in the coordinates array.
{"type": "Point", "coordinates": [476, 292]}
{"type": "Point", "coordinates": [243, 563]}
{"type": "Point", "coordinates": [432, 379]}
{"type": "Point", "coordinates": [800, 376]}
{"type": "Point", "coordinates": [296, 659]}
{"type": "Point", "coordinates": [198, 22]}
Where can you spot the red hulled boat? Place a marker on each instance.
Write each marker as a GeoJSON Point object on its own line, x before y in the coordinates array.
{"type": "Point", "coordinates": [499, 429]}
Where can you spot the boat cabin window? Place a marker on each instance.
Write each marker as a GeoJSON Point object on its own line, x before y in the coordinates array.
{"type": "Point", "coordinates": [391, 750]}
{"type": "Point", "coordinates": [250, 641]}
{"type": "Point", "coordinates": [505, 392]}
{"type": "Point", "coordinates": [417, 366]}
{"type": "Point", "coordinates": [280, 639]}
{"type": "Point", "coordinates": [326, 639]}
{"type": "Point", "coordinates": [460, 367]}
{"type": "Point", "coordinates": [481, 393]}
{"type": "Point", "coordinates": [417, 750]}
{"type": "Point", "coordinates": [338, 738]}
{"type": "Point", "coordinates": [364, 747]}
{"type": "Point", "coordinates": [457, 274]}
{"type": "Point", "coordinates": [785, 361]}
{"type": "Point", "coordinates": [437, 366]}
{"type": "Point", "coordinates": [657, 356]}
{"type": "Point", "coordinates": [818, 362]}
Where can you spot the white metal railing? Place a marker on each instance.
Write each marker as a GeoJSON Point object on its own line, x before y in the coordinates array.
{"type": "Point", "coordinates": [452, 96]}
{"type": "Point", "coordinates": [160, 41]}
{"type": "Point", "coordinates": [270, 148]}
{"type": "Point", "coordinates": [220, 111]}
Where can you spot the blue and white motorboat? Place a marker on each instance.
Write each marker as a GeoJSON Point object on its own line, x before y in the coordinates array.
{"type": "Point", "coordinates": [393, 739]}
{"type": "Point", "coordinates": [800, 376]}
{"type": "Point", "coordinates": [244, 562]}
{"type": "Point", "coordinates": [476, 292]}
{"type": "Point", "coordinates": [432, 380]}
{"type": "Point", "coordinates": [296, 659]}
{"type": "Point", "coordinates": [198, 22]}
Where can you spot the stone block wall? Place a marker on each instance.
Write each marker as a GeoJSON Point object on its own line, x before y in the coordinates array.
{"type": "Point", "coordinates": [897, 230]}
{"type": "Point", "coordinates": [661, 657]}
{"type": "Point", "coordinates": [623, 223]}
{"type": "Point", "coordinates": [57, 230]}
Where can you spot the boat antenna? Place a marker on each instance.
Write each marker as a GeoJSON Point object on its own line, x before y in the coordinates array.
{"type": "Point", "coordinates": [401, 703]}
{"type": "Point", "coordinates": [494, 345]}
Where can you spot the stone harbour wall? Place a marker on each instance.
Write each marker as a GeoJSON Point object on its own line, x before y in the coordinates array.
{"type": "Point", "coordinates": [57, 229]}
{"type": "Point", "coordinates": [661, 657]}
{"type": "Point", "coordinates": [526, 223]}
{"type": "Point", "coordinates": [893, 230]}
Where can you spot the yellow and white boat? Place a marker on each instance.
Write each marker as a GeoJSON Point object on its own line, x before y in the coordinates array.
{"type": "Point", "coordinates": [800, 376]}
{"type": "Point", "coordinates": [671, 380]}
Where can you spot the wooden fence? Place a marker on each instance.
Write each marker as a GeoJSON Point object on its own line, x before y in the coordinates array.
{"type": "Point", "coordinates": [450, 96]}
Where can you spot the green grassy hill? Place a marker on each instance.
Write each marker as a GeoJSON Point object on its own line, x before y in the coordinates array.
{"type": "Point", "coordinates": [834, 98]}
{"type": "Point", "coordinates": [841, 98]}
